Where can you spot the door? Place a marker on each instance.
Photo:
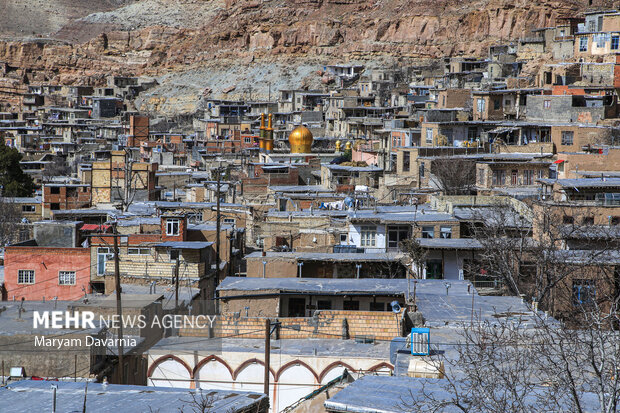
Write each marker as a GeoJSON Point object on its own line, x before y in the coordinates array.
{"type": "Point", "coordinates": [514, 178]}
{"type": "Point", "coordinates": [296, 307]}
{"type": "Point", "coordinates": [434, 269]}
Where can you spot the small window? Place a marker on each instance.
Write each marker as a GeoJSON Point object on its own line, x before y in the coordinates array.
{"type": "Point", "coordinates": [54, 206]}
{"type": "Point", "coordinates": [568, 220]}
{"type": "Point", "coordinates": [429, 136]}
{"type": "Point", "coordinates": [614, 221]}
{"type": "Point", "coordinates": [583, 44]}
{"type": "Point", "coordinates": [421, 169]}
{"type": "Point", "coordinates": [446, 232]}
{"type": "Point", "coordinates": [497, 104]}
{"type": "Point", "coordinates": [323, 305]}
{"type": "Point", "coordinates": [138, 251]}
{"type": "Point", "coordinates": [406, 161]}
{"type": "Point", "coordinates": [588, 221]}
{"type": "Point", "coordinates": [567, 138]}
{"type": "Point", "coordinates": [55, 190]}
{"type": "Point", "coordinates": [174, 255]}
{"type": "Point", "coordinates": [229, 220]}
{"type": "Point", "coordinates": [368, 236]}
{"type": "Point", "coordinates": [66, 277]}
{"type": "Point", "coordinates": [584, 292]}
{"type": "Point", "coordinates": [377, 307]}
{"type": "Point", "coordinates": [25, 277]}
{"type": "Point", "coordinates": [480, 105]}
{"type": "Point", "coordinates": [428, 232]}
{"type": "Point", "coordinates": [172, 226]}
{"type": "Point", "coordinates": [28, 208]}
{"type": "Point", "coordinates": [343, 238]}
{"type": "Point", "coordinates": [547, 104]}
{"type": "Point", "coordinates": [615, 42]}
{"type": "Point", "coordinates": [351, 305]}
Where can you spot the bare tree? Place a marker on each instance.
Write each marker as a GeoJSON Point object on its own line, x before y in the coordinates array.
{"type": "Point", "coordinates": [526, 365]}
{"type": "Point", "coordinates": [454, 176]}
{"type": "Point", "coordinates": [10, 217]}
{"type": "Point", "coordinates": [527, 252]}
{"type": "Point", "coordinates": [58, 167]}
{"type": "Point", "coordinates": [126, 183]}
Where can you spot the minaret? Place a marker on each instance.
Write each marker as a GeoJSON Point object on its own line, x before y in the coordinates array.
{"type": "Point", "coordinates": [262, 132]}
{"type": "Point", "coordinates": [269, 135]}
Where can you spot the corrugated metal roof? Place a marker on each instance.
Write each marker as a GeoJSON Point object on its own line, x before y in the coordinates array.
{"type": "Point", "coordinates": [36, 396]}
{"type": "Point", "coordinates": [185, 245]}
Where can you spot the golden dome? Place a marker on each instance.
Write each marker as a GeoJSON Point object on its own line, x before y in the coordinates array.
{"type": "Point", "coordinates": [300, 140]}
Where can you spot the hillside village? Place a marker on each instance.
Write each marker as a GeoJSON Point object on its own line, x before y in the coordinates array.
{"type": "Point", "coordinates": [346, 238]}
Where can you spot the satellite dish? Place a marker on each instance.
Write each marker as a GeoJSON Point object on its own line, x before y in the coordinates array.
{"type": "Point", "coordinates": [395, 306]}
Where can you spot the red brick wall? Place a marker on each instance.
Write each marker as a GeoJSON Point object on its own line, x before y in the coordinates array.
{"type": "Point", "coordinates": [46, 262]}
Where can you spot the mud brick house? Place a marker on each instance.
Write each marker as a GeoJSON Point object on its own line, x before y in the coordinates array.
{"type": "Point", "coordinates": [343, 179]}
{"type": "Point", "coordinates": [325, 264]}
{"type": "Point", "coordinates": [261, 176]}
{"type": "Point", "coordinates": [53, 265]}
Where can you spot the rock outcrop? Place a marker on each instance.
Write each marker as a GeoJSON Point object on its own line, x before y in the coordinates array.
{"type": "Point", "coordinates": [222, 36]}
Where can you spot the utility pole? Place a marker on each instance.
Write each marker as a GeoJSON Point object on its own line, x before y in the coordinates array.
{"type": "Point", "coordinates": [217, 229]}
{"type": "Point", "coordinates": [119, 311]}
{"type": "Point", "coordinates": [127, 179]}
{"type": "Point", "coordinates": [176, 284]}
{"type": "Point", "coordinates": [267, 354]}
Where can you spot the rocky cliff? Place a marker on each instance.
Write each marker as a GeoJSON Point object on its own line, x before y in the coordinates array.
{"type": "Point", "coordinates": [244, 46]}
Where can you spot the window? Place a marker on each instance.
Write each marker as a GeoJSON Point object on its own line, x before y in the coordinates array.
{"type": "Point", "coordinates": [421, 169]}
{"type": "Point", "coordinates": [588, 220]}
{"type": "Point", "coordinates": [584, 292]}
{"type": "Point", "coordinates": [614, 221]}
{"type": "Point", "coordinates": [583, 44]}
{"type": "Point", "coordinates": [445, 232]}
{"type": "Point", "coordinates": [429, 136]}
{"type": "Point", "coordinates": [368, 236]}
{"type": "Point", "coordinates": [528, 177]}
{"type": "Point", "coordinates": [480, 105]}
{"type": "Point", "coordinates": [323, 305]}
{"type": "Point", "coordinates": [172, 226]}
{"type": "Point", "coordinates": [396, 235]}
{"type": "Point", "coordinates": [377, 307]}
{"type": "Point", "coordinates": [102, 257]}
{"type": "Point", "coordinates": [54, 206]}
{"type": "Point", "coordinates": [138, 251]}
{"type": "Point", "coordinates": [406, 161]}
{"type": "Point", "coordinates": [351, 305]}
{"type": "Point", "coordinates": [568, 220]}
{"type": "Point", "coordinates": [615, 42]}
{"type": "Point", "coordinates": [229, 220]}
{"type": "Point", "coordinates": [55, 190]}
{"type": "Point", "coordinates": [343, 238]}
{"type": "Point", "coordinates": [174, 255]}
{"type": "Point", "coordinates": [66, 277]}
{"type": "Point", "coordinates": [29, 208]}
{"type": "Point", "coordinates": [567, 138]}
{"type": "Point", "coordinates": [247, 139]}
{"type": "Point", "coordinates": [499, 177]}
{"type": "Point", "coordinates": [428, 232]}
{"type": "Point", "coordinates": [25, 277]}
{"type": "Point", "coordinates": [497, 104]}
{"type": "Point", "coordinates": [547, 104]}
